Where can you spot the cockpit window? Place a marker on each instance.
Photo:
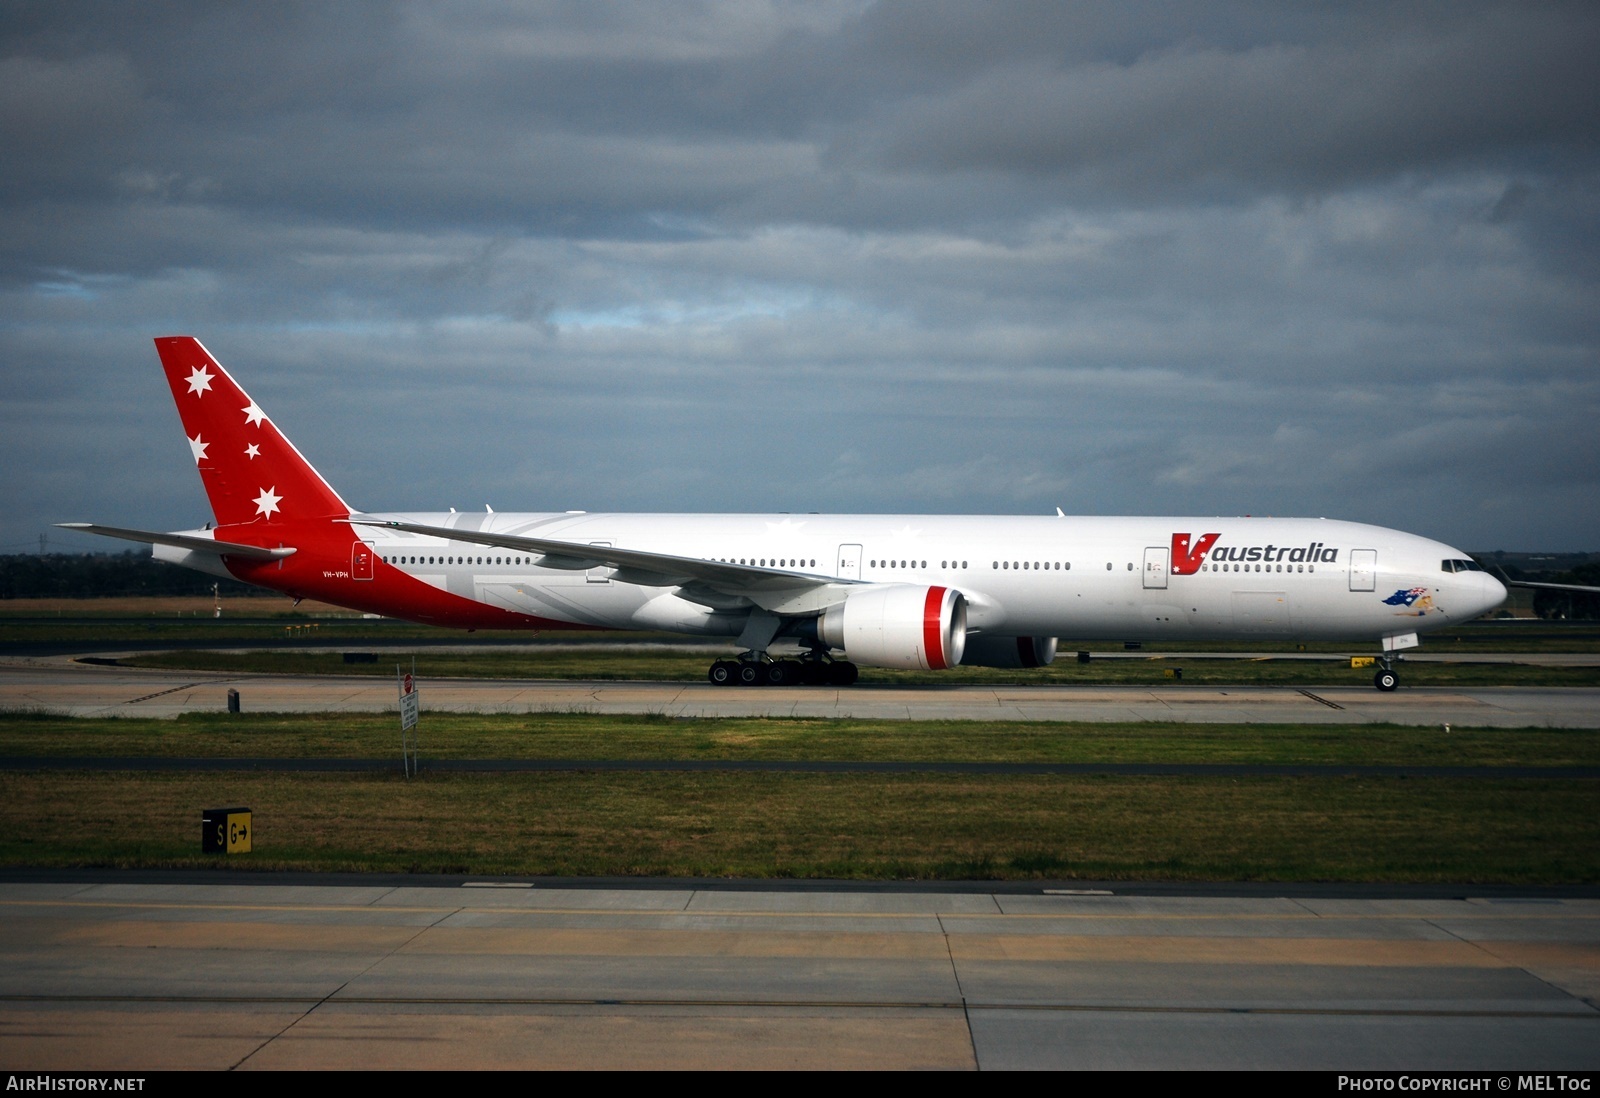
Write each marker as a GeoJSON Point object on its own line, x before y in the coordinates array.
{"type": "Point", "coordinates": [1461, 566]}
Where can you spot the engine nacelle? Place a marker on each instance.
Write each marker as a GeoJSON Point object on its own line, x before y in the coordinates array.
{"type": "Point", "coordinates": [898, 625]}
{"type": "Point", "coordinates": [987, 651]}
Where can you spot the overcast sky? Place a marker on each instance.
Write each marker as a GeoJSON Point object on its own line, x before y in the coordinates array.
{"type": "Point", "coordinates": [1131, 258]}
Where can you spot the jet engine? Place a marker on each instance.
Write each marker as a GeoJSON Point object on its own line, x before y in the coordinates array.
{"type": "Point", "coordinates": [988, 651]}
{"type": "Point", "coordinates": [898, 625]}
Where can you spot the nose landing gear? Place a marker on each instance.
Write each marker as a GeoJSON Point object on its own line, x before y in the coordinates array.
{"type": "Point", "coordinates": [1387, 677]}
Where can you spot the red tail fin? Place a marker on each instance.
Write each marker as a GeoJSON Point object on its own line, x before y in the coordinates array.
{"type": "Point", "coordinates": [250, 471]}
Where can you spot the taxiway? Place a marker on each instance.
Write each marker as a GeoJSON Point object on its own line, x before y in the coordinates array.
{"type": "Point", "coordinates": [65, 686]}
{"type": "Point", "coordinates": [101, 975]}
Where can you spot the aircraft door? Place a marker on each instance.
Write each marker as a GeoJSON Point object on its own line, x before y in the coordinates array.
{"type": "Point", "coordinates": [849, 562]}
{"type": "Point", "coordinates": [1157, 558]}
{"type": "Point", "coordinates": [1363, 569]}
{"type": "Point", "coordinates": [360, 561]}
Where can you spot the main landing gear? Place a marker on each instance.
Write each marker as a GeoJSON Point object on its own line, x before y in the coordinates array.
{"type": "Point", "coordinates": [809, 670]}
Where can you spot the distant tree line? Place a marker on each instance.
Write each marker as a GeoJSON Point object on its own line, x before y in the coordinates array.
{"type": "Point", "coordinates": [1569, 604]}
{"type": "Point", "coordinates": [105, 575]}
{"type": "Point", "coordinates": [1582, 569]}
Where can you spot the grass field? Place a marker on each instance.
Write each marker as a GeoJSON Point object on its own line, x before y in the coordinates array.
{"type": "Point", "coordinates": [855, 825]}
{"type": "Point", "coordinates": [810, 825]}
{"type": "Point", "coordinates": [597, 736]}
{"type": "Point", "coordinates": [925, 825]}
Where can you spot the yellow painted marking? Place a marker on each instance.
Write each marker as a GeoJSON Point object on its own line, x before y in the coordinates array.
{"type": "Point", "coordinates": [1584, 955]}
{"type": "Point", "coordinates": [801, 913]}
{"type": "Point", "coordinates": [1345, 952]}
{"type": "Point", "coordinates": [236, 935]}
{"type": "Point", "coordinates": [504, 941]}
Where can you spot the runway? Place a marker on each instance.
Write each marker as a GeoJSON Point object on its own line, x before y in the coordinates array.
{"type": "Point", "coordinates": [132, 976]}
{"type": "Point", "coordinates": [61, 685]}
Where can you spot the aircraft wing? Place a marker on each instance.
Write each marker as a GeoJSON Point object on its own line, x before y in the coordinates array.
{"type": "Point", "coordinates": [770, 588]}
{"type": "Point", "coordinates": [1500, 574]}
{"type": "Point", "coordinates": [1553, 586]}
{"type": "Point", "coordinates": [182, 541]}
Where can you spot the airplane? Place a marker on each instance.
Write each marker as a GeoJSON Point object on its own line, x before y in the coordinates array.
{"type": "Point", "coordinates": [904, 591]}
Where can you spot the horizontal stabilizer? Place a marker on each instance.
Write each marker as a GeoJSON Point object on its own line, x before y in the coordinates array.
{"type": "Point", "coordinates": [182, 541]}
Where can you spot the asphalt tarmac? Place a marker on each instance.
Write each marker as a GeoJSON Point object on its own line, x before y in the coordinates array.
{"type": "Point", "coordinates": [102, 974]}
{"type": "Point", "coordinates": [63, 685]}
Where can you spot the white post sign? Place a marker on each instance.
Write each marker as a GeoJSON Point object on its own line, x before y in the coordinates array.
{"type": "Point", "coordinates": [410, 705]}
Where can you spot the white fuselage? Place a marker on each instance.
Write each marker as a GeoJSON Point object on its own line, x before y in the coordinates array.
{"type": "Point", "coordinates": [1144, 579]}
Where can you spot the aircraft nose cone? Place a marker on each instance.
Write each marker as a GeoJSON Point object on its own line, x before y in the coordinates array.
{"type": "Point", "coordinates": [1493, 592]}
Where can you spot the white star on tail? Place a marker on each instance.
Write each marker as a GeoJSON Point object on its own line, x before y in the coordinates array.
{"type": "Point", "coordinates": [199, 381]}
{"type": "Point", "coordinates": [267, 501]}
{"type": "Point", "coordinates": [254, 415]}
{"type": "Point", "coordinates": [252, 451]}
{"type": "Point", "coordinates": [198, 445]}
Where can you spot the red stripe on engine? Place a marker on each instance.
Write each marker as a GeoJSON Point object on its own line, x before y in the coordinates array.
{"type": "Point", "coordinates": [932, 633]}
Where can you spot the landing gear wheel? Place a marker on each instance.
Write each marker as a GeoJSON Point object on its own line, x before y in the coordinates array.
{"type": "Point", "coordinates": [783, 673]}
{"type": "Point", "coordinates": [814, 672]}
{"type": "Point", "coordinates": [722, 673]}
{"type": "Point", "coordinates": [842, 673]}
{"type": "Point", "coordinates": [1386, 680]}
{"type": "Point", "coordinates": [750, 673]}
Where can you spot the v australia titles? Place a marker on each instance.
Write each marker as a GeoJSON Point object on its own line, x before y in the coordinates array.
{"type": "Point", "coordinates": [1189, 554]}
{"type": "Point", "coordinates": [1316, 553]}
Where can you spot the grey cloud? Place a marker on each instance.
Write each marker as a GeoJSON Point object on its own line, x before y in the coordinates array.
{"type": "Point", "coordinates": [1298, 118]}
{"type": "Point", "coordinates": [1146, 257]}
